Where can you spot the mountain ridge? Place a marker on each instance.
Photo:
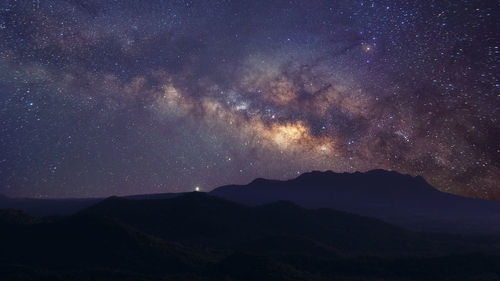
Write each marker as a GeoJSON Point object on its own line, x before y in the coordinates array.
{"type": "Point", "coordinates": [200, 237]}
{"type": "Point", "coordinates": [405, 200]}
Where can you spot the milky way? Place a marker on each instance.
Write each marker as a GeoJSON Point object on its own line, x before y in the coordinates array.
{"type": "Point", "coordinates": [123, 97]}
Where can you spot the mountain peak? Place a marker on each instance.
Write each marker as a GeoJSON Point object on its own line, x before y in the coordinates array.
{"type": "Point", "coordinates": [378, 177]}
{"type": "Point", "coordinates": [376, 172]}
{"type": "Point", "coordinates": [398, 198]}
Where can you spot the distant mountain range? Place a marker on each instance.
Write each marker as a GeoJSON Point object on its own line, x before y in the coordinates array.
{"type": "Point", "coordinates": [403, 200]}
{"type": "Point", "coordinates": [198, 237]}
{"type": "Point", "coordinates": [400, 199]}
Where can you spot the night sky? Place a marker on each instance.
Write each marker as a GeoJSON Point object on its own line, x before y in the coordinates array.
{"type": "Point", "coordinates": [102, 98]}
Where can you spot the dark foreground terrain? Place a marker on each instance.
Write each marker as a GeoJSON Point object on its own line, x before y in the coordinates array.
{"type": "Point", "coordinates": [196, 236]}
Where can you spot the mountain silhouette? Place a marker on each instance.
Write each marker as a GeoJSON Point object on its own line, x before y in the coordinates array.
{"type": "Point", "coordinates": [225, 224]}
{"type": "Point", "coordinates": [91, 241]}
{"type": "Point", "coordinates": [400, 199]}
{"type": "Point", "coordinates": [406, 201]}
{"type": "Point", "coordinates": [197, 236]}
{"type": "Point", "coordinates": [47, 207]}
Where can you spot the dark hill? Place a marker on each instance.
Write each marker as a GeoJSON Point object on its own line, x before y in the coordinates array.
{"type": "Point", "coordinates": [197, 218]}
{"type": "Point", "coordinates": [407, 201]}
{"type": "Point", "coordinates": [200, 237]}
{"type": "Point", "coordinates": [401, 199]}
{"type": "Point", "coordinates": [86, 241]}
{"type": "Point", "coordinates": [15, 217]}
{"type": "Point", "coordinates": [200, 219]}
{"type": "Point", "coordinates": [47, 207]}
{"type": "Point", "coordinates": [62, 207]}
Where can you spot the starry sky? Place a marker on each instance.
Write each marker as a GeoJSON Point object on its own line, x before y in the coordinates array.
{"type": "Point", "coordinates": [101, 98]}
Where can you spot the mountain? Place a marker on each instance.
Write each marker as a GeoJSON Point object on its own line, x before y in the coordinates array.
{"type": "Point", "coordinates": [68, 206]}
{"type": "Point", "coordinates": [209, 220]}
{"type": "Point", "coordinates": [47, 207]}
{"type": "Point", "coordinates": [220, 223]}
{"type": "Point", "coordinates": [406, 201]}
{"type": "Point", "coordinates": [87, 243]}
{"type": "Point", "coordinates": [200, 237]}
{"type": "Point", "coordinates": [400, 199]}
